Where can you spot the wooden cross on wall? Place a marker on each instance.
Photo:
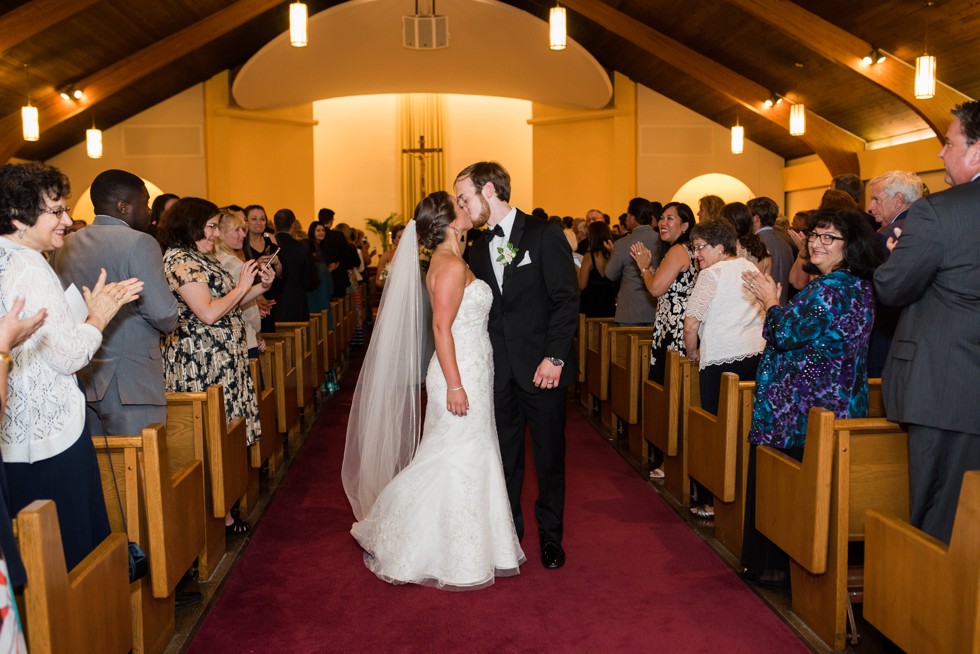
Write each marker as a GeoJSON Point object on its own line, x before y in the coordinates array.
{"type": "Point", "coordinates": [422, 153]}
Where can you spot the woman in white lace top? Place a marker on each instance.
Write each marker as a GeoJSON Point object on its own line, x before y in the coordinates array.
{"type": "Point", "coordinates": [46, 447]}
{"type": "Point", "coordinates": [722, 323]}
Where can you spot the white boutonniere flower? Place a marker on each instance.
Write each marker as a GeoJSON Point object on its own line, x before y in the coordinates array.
{"type": "Point", "coordinates": [507, 254]}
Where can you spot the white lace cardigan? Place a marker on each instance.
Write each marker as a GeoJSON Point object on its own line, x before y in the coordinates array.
{"type": "Point", "coordinates": [731, 319]}
{"type": "Point", "coordinates": [45, 411]}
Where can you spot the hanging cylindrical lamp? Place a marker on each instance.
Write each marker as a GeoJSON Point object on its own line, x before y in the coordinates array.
{"type": "Point", "coordinates": [797, 119]}
{"type": "Point", "coordinates": [93, 143]}
{"type": "Point", "coordinates": [297, 25]}
{"type": "Point", "coordinates": [925, 76]}
{"type": "Point", "coordinates": [738, 139]}
{"type": "Point", "coordinates": [557, 24]}
{"type": "Point", "coordinates": [28, 116]}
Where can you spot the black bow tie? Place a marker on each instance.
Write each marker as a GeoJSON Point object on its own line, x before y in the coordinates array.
{"type": "Point", "coordinates": [495, 231]}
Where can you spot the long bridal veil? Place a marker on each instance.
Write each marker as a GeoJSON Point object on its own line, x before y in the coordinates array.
{"type": "Point", "coordinates": [386, 412]}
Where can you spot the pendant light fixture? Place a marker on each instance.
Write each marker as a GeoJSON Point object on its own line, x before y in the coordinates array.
{"type": "Point", "coordinates": [557, 23]}
{"type": "Point", "coordinates": [738, 137]}
{"type": "Point", "coordinates": [28, 114]}
{"type": "Point", "coordinates": [297, 25]}
{"type": "Point", "coordinates": [925, 67]}
{"type": "Point", "coordinates": [797, 119]}
{"type": "Point", "coordinates": [93, 142]}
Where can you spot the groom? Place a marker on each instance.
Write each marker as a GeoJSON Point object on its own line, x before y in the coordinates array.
{"type": "Point", "coordinates": [528, 264]}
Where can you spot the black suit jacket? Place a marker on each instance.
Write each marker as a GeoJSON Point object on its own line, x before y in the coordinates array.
{"type": "Point", "coordinates": [298, 276]}
{"type": "Point", "coordinates": [536, 315]}
{"type": "Point", "coordinates": [335, 248]}
{"type": "Point", "coordinates": [932, 376]}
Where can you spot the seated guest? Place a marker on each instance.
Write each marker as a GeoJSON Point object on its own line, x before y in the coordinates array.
{"type": "Point", "coordinates": [228, 251]}
{"type": "Point", "coordinates": [598, 294]}
{"type": "Point", "coordinates": [816, 356]}
{"type": "Point", "coordinates": [725, 318]}
{"type": "Point", "coordinates": [46, 446]}
{"type": "Point", "coordinates": [672, 282]}
{"type": "Point", "coordinates": [750, 246]}
{"type": "Point", "coordinates": [209, 344]}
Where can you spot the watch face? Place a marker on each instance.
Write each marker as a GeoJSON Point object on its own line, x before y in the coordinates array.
{"type": "Point", "coordinates": [557, 362]}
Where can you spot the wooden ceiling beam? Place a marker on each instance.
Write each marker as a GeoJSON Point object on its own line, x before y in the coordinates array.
{"type": "Point", "coordinates": [27, 21]}
{"type": "Point", "coordinates": [120, 75]}
{"type": "Point", "coordinates": [833, 43]}
{"type": "Point", "coordinates": [836, 147]}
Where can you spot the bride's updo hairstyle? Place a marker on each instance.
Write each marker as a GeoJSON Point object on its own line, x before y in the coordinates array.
{"type": "Point", "coordinates": [432, 217]}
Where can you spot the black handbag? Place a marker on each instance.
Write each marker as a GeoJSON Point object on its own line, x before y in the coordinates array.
{"type": "Point", "coordinates": [139, 564]}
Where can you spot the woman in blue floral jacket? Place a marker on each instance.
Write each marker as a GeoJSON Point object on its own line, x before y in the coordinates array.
{"type": "Point", "coordinates": [816, 356]}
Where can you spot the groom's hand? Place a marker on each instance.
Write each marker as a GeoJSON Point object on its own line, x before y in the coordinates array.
{"type": "Point", "coordinates": [547, 374]}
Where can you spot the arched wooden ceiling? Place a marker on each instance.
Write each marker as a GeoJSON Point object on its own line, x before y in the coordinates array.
{"type": "Point", "coordinates": [132, 54]}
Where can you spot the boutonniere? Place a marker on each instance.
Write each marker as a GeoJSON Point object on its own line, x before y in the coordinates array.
{"type": "Point", "coordinates": [507, 254]}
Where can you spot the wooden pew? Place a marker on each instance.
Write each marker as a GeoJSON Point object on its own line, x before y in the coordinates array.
{"type": "Point", "coordinates": [629, 361]}
{"type": "Point", "coordinates": [598, 365]}
{"type": "Point", "coordinates": [84, 611]}
{"type": "Point", "coordinates": [297, 338]}
{"type": "Point", "coordinates": [336, 334]}
{"type": "Point", "coordinates": [164, 514]}
{"type": "Point", "coordinates": [593, 361]}
{"type": "Point", "coordinates": [321, 345]}
{"type": "Point", "coordinates": [664, 422]}
{"type": "Point", "coordinates": [277, 365]}
{"type": "Point", "coordinates": [350, 320]}
{"type": "Point", "coordinates": [578, 346]}
{"type": "Point", "coordinates": [267, 449]}
{"type": "Point", "coordinates": [921, 593]}
{"type": "Point", "coordinates": [197, 429]}
{"type": "Point", "coordinates": [813, 509]}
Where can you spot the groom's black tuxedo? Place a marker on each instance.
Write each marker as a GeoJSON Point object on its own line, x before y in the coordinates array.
{"type": "Point", "coordinates": [535, 316]}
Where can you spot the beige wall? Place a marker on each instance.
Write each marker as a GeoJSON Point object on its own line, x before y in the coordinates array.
{"type": "Point", "coordinates": [164, 145]}
{"type": "Point", "coordinates": [259, 157]}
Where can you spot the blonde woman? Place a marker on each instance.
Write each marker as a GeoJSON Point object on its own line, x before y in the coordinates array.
{"type": "Point", "coordinates": [232, 230]}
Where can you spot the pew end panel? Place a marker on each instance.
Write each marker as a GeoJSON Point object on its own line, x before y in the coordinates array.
{"type": "Point", "coordinates": [664, 425]}
{"type": "Point", "coordinates": [730, 516]}
{"type": "Point", "coordinates": [624, 371]}
{"type": "Point", "coordinates": [595, 335]}
{"type": "Point", "coordinates": [84, 611]}
{"type": "Point", "coordinates": [713, 441]}
{"type": "Point", "coordinates": [578, 345]}
{"type": "Point", "coordinates": [922, 594]}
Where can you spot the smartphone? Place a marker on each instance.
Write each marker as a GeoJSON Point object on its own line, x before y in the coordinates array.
{"type": "Point", "coordinates": [271, 259]}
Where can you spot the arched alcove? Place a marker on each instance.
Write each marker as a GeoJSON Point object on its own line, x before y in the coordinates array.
{"type": "Point", "coordinates": [728, 188]}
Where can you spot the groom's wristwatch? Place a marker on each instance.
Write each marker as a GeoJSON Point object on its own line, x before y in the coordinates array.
{"type": "Point", "coordinates": [556, 362]}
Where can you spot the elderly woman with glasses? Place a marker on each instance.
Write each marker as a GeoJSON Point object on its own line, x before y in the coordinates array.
{"type": "Point", "coordinates": [816, 356]}
{"type": "Point", "coordinates": [209, 344]}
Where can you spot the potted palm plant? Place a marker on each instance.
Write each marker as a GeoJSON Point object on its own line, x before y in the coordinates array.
{"type": "Point", "coordinates": [383, 228]}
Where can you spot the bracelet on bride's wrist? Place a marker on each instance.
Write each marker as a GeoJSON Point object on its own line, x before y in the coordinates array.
{"type": "Point", "coordinates": [458, 388]}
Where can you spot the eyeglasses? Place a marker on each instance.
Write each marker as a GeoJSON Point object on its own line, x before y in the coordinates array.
{"type": "Point", "coordinates": [825, 238]}
{"type": "Point", "coordinates": [57, 212]}
{"type": "Point", "coordinates": [211, 226]}
{"type": "Point", "coordinates": [698, 248]}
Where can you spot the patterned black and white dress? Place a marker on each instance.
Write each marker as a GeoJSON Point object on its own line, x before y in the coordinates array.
{"type": "Point", "coordinates": [668, 326]}
{"type": "Point", "coordinates": [196, 355]}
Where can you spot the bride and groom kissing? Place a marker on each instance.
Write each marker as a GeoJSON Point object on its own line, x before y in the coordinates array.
{"type": "Point", "coordinates": [440, 504]}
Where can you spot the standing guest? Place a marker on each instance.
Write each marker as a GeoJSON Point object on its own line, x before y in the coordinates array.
{"type": "Point", "coordinates": [228, 251]}
{"type": "Point", "coordinates": [597, 298]}
{"type": "Point", "coordinates": [931, 377]}
{"type": "Point", "coordinates": [298, 272]}
{"type": "Point", "coordinates": [158, 207]}
{"type": "Point", "coordinates": [260, 244]}
{"type": "Point", "coordinates": [47, 449]}
{"type": "Point", "coordinates": [816, 356]}
{"type": "Point", "coordinates": [528, 266]}
{"type": "Point", "coordinates": [709, 208]}
{"type": "Point", "coordinates": [337, 250]}
{"type": "Point", "coordinates": [634, 306]}
{"type": "Point", "coordinates": [671, 283]}
{"type": "Point", "coordinates": [319, 298]}
{"type": "Point", "coordinates": [124, 381]}
{"type": "Point", "coordinates": [764, 213]}
{"type": "Point", "coordinates": [834, 199]}
{"type": "Point", "coordinates": [567, 224]}
{"type": "Point", "coordinates": [208, 347]}
{"type": "Point", "coordinates": [722, 323]}
{"type": "Point", "coordinates": [749, 245]}
{"type": "Point", "coordinates": [386, 257]}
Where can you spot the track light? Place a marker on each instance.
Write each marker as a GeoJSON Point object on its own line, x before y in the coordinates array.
{"type": "Point", "coordinates": [70, 93]}
{"type": "Point", "coordinates": [874, 57]}
{"type": "Point", "coordinates": [297, 25]}
{"type": "Point", "coordinates": [556, 22]}
{"type": "Point", "coordinates": [772, 100]}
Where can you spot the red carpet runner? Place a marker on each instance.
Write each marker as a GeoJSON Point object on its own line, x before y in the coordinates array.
{"type": "Point", "coordinates": [637, 578]}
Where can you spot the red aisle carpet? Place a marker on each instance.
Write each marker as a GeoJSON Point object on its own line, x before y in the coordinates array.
{"type": "Point", "coordinates": [637, 578]}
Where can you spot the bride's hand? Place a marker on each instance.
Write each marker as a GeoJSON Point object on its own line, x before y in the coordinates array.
{"type": "Point", "coordinates": [457, 402]}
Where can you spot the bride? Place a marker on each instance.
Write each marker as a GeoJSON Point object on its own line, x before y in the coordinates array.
{"type": "Point", "coordinates": [437, 515]}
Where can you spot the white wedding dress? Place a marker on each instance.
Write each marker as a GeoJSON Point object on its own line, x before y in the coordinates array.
{"type": "Point", "coordinates": [445, 519]}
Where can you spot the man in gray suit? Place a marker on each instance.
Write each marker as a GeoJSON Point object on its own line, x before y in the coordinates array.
{"type": "Point", "coordinates": [931, 380]}
{"type": "Point", "coordinates": [634, 305]}
{"type": "Point", "coordinates": [124, 381]}
{"type": "Point", "coordinates": [764, 213]}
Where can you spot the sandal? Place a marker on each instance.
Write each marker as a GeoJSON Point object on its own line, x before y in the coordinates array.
{"type": "Point", "coordinates": [656, 474]}
{"type": "Point", "coordinates": [705, 512]}
{"type": "Point", "coordinates": [238, 527]}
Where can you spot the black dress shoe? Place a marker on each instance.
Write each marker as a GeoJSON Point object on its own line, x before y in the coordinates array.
{"type": "Point", "coordinates": [552, 555]}
{"type": "Point", "coordinates": [183, 600]}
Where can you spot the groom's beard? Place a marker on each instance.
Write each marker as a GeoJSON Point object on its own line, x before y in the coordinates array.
{"type": "Point", "coordinates": [484, 216]}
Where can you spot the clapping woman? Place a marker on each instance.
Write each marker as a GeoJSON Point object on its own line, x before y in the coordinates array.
{"type": "Point", "coordinates": [47, 450]}
{"type": "Point", "coordinates": [816, 356]}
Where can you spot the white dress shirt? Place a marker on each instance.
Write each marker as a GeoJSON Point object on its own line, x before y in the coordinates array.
{"type": "Point", "coordinates": [507, 224]}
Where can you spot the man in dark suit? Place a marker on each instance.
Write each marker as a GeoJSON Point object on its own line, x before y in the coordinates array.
{"type": "Point", "coordinates": [528, 265]}
{"type": "Point", "coordinates": [635, 307]}
{"type": "Point", "coordinates": [124, 381]}
{"type": "Point", "coordinates": [335, 248]}
{"type": "Point", "coordinates": [764, 213]}
{"type": "Point", "coordinates": [931, 380]}
{"type": "Point", "coordinates": [298, 272]}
